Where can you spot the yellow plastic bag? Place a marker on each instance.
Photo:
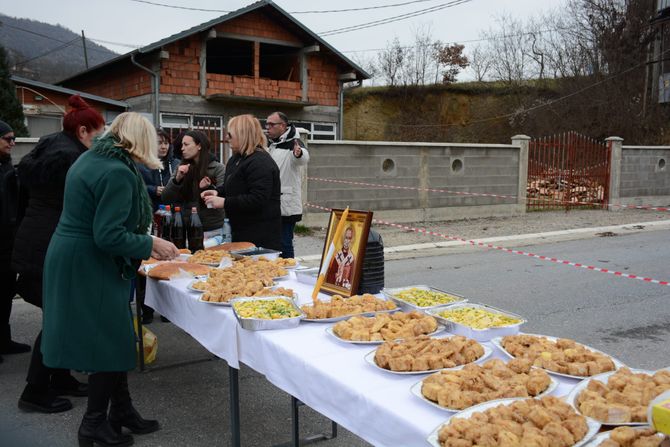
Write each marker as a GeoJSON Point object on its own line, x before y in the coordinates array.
{"type": "Point", "coordinates": [150, 343]}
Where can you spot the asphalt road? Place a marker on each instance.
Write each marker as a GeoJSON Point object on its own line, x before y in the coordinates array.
{"type": "Point", "coordinates": [186, 389]}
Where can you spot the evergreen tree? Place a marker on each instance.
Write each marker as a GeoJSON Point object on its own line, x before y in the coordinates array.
{"type": "Point", "coordinates": [11, 111]}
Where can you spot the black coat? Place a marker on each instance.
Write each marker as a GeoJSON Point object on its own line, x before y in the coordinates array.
{"type": "Point", "coordinates": [154, 178]}
{"type": "Point", "coordinates": [9, 197]}
{"type": "Point", "coordinates": [252, 191]}
{"type": "Point", "coordinates": [42, 175]}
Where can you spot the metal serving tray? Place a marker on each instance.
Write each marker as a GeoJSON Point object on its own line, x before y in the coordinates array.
{"type": "Point", "coordinates": [477, 334]}
{"type": "Point", "coordinates": [255, 253]}
{"type": "Point", "coordinates": [405, 305]}
{"type": "Point", "coordinates": [592, 425]}
{"type": "Point", "coordinates": [307, 275]}
{"type": "Point", "coordinates": [259, 324]}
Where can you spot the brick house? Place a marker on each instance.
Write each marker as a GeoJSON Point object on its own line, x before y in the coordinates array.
{"type": "Point", "coordinates": [254, 60]}
{"type": "Point", "coordinates": [45, 104]}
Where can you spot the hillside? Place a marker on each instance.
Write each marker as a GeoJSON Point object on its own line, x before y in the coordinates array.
{"type": "Point", "coordinates": [47, 52]}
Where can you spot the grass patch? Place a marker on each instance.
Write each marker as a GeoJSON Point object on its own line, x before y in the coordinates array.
{"type": "Point", "coordinates": [301, 230]}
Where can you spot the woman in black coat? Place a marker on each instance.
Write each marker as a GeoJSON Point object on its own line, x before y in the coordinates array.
{"type": "Point", "coordinates": [157, 179]}
{"type": "Point", "coordinates": [251, 190]}
{"type": "Point", "coordinates": [42, 177]}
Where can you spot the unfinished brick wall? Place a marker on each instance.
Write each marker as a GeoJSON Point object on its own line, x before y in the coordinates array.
{"type": "Point", "coordinates": [257, 24]}
{"type": "Point", "coordinates": [180, 73]}
{"type": "Point", "coordinates": [323, 87]}
{"type": "Point", "coordinates": [119, 81]}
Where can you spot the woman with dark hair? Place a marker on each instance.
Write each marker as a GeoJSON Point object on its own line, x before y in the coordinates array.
{"type": "Point", "coordinates": [157, 179]}
{"type": "Point", "coordinates": [197, 172]}
{"type": "Point", "coordinates": [42, 177]}
{"type": "Point", "coordinates": [252, 190]}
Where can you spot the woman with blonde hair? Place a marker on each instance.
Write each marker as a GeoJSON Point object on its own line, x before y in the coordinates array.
{"type": "Point", "coordinates": [251, 191]}
{"type": "Point", "coordinates": [94, 253]}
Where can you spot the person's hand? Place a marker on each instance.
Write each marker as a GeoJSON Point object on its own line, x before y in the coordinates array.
{"type": "Point", "coordinates": [297, 150]}
{"type": "Point", "coordinates": [214, 201]}
{"type": "Point", "coordinates": [182, 170]}
{"type": "Point", "coordinates": [163, 250]}
{"type": "Point", "coordinates": [206, 182]}
{"type": "Point", "coordinates": [209, 192]}
{"type": "Point", "coordinates": [159, 190]}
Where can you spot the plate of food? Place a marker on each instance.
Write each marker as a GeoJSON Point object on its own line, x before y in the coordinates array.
{"type": "Point", "coordinates": [384, 327]}
{"type": "Point", "coordinates": [224, 300]}
{"type": "Point", "coordinates": [340, 308]}
{"type": "Point", "coordinates": [619, 397]}
{"type": "Point", "coordinates": [267, 313]}
{"type": "Point", "coordinates": [421, 297]}
{"type": "Point", "coordinates": [628, 437]}
{"type": "Point", "coordinates": [504, 417]}
{"type": "Point", "coordinates": [287, 263]}
{"type": "Point", "coordinates": [560, 356]}
{"type": "Point", "coordinates": [209, 257]}
{"type": "Point", "coordinates": [423, 355]}
{"type": "Point", "coordinates": [197, 286]}
{"type": "Point", "coordinates": [477, 321]}
{"type": "Point", "coordinates": [456, 390]}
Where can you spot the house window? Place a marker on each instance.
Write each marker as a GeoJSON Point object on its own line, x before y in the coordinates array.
{"type": "Point", "coordinates": [662, 4]}
{"type": "Point", "coordinates": [230, 57]}
{"type": "Point", "coordinates": [211, 125]}
{"type": "Point", "coordinates": [279, 62]}
{"type": "Point", "coordinates": [317, 131]}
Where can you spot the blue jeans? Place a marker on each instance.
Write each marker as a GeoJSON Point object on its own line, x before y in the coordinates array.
{"type": "Point", "coordinates": [287, 239]}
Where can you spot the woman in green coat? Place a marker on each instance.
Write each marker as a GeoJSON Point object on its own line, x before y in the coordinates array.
{"type": "Point", "coordinates": [93, 255]}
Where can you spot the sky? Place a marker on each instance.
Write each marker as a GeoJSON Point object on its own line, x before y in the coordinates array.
{"type": "Point", "coordinates": [134, 23]}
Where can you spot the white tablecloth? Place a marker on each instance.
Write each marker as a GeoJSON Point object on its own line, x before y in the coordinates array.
{"type": "Point", "coordinates": [330, 376]}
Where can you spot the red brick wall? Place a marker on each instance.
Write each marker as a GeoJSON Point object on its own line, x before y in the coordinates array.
{"type": "Point", "coordinates": [323, 86]}
{"type": "Point", "coordinates": [180, 73]}
{"type": "Point", "coordinates": [28, 97]}
{"type": "Point", "coordinates": [248, 86]}
{"type": "Point", "coordinates": [117, 81]}
{"type": "Point", "coordinates": [257, 24]}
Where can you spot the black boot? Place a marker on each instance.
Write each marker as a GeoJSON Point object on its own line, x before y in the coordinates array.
{"type": "Point", "coordinates": [7, 346]}
{"type": "Point", "coordinates": [42, 400]}
{"type": "Point", "coordinates": [95, 428]}
{"type": "Point", "coordinates": [123, 414]}
{"type": "Point", "coordinates": [63, 384]}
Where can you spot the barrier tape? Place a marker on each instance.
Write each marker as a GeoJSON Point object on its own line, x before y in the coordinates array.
{"type": "Point", "coordinates": [477, 194]}
{"type": "Point", "coordinates": [509, 250]}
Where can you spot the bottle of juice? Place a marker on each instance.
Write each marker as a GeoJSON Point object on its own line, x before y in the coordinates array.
{"type": "Point", "coordinates": [196, 235]}
{"type": "Point", "coordinates": [178, 233]}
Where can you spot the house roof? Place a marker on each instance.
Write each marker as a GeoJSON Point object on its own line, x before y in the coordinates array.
{"type": "Point", "coordinates": [67, 91]}
{"type": "Point", "coordinates": [261, 4]}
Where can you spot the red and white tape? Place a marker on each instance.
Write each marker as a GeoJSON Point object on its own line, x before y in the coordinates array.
{"type": "Point", "coordinates": [509, 250]}
{"type": "Point", "coordinates": [477, 194]}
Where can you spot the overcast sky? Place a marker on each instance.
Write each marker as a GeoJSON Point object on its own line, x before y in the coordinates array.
{"type": "Point", "coordinates": [135, 23]}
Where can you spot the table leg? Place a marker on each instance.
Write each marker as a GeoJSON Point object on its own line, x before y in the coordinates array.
{"type": "Point", "coordinates": [234, 391]}
{"type": "Point", "coordinates": [140, 337]}
{"type": "Point", "coordinates": [296, 441]}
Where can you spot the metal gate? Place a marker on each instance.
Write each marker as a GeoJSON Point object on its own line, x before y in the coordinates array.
{"type": "Point", "coordinates": [567, 171]}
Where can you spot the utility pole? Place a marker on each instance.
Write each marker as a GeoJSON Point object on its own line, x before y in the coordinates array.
{"type": "Point", "coordinates": [83, 42]}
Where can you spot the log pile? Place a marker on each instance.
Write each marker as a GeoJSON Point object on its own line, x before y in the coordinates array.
{"type": "Point", "coordinates": [562, 191]}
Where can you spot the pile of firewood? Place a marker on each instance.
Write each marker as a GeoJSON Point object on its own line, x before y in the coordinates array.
{"type": "Point", "coordinates": [561, 190]}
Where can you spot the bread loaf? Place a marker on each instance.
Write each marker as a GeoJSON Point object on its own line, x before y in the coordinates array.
{"type": "Point", "coordinates": [169, 269]}
{"type": "Point", "coordinates": [233, 246]}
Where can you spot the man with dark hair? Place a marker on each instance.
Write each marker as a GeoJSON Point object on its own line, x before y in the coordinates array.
{"type": "Point", "coordinates": [289, 153]}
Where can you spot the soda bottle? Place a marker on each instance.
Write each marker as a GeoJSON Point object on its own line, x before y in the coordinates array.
{"type": "Point", "coordinates": [158, 220]}
{"type": "Point", "coordinates": [227, 231]}
{"type": "Point", "coordinates": [177, 235]}
{"type": "Point", "coordinates": [196, 235]}
{"type": "Point", "coordinates": [166, 224]}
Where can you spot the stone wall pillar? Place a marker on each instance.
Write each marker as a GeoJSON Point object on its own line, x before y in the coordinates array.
{"type": "Point", "coordinates": [523, 141]}
{"type": "Point", "coordinates": [616, 145]}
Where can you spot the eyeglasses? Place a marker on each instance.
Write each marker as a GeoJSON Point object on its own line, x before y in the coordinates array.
{"type": "Point", "coordinates": [269, 124]}
{"type": "Point", "coordinates": [9, 139]}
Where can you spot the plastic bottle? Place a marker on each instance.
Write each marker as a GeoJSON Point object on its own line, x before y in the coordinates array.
{"type": "Point", "coordinates": [196, 235]}
{"type": "Point", "coordinates": [227, 231]}
{"type": "Point", "coordinates": [166, 224]}
{"type": "Point", "coordinates": [158, 221]}
{"type": "Point", "coordinates": [178, 233]}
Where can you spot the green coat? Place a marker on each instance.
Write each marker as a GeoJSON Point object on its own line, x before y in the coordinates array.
{"type": "Point", "coordinates": [87, 319]}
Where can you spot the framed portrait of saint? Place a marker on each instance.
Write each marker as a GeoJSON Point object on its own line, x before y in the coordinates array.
{"type": "Point", "coordinates": [345, 265]}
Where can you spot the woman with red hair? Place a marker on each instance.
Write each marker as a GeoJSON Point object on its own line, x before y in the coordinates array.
{"type": "Point", "coordinates": [42, 178]}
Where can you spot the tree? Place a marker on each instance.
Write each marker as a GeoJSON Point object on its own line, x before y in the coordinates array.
{"type": "Point", "coordinates": [453, 59]}
{"type": "Point", "coordinates": [480, 62]}
{"type": "Point", "coordinates": [391, 62]}
{"type": "Point", "coordinates": [11, 110]}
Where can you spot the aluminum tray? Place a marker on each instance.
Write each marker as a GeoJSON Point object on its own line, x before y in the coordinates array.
{"type": "Point", "coordinates": [433, 437]}
{"type": "Point", "coordinates": [255, 253]}
{"type": "Point", "coordinates": [227, 303]}
{"type": "Point", "coordinates": [345, 317]}
{"type": "Point", "coordinates": [416, 390]}
{"type": "Point", "coordinates": [258, 324]}
{"type": "Point", "coordinates": [370, 358]}
{"type": "Point", "coordinates": [476, 334]}
{"type": "Point", "coordinates": [497, 342]}
{"type": "Point", "coordinates": [307, 275]}
{"type": "Point", "coordinates": [329, 331]}
{"type": "Point", "coordinates": [604, 377]}
{"type": "Point", "coordinates": [602, 437]}
{"type": "Point", "coordinates": [405, 305]}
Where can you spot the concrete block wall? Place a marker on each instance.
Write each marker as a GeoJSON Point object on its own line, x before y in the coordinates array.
{"type": "Point", "coordinates": [645, 175]}
{"type": "Point", "coordinates": [490, 169]}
